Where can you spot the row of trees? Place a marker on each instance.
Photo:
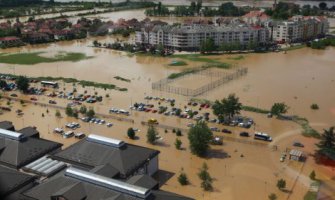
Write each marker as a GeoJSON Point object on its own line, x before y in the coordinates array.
{"type": "Point", "coordinates": [285, 10]}
{"type": "Point", "coordinates": [208, 46]}
{"type": "Point", "coordinates": [195, 8]}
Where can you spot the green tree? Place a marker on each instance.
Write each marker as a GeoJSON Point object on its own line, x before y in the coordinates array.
{"type": "Point", "coordinates": [281, 184]}
{"type": "Point", "coordinates": [182, 178]}
{"type": "Point", "coordinates": [205, 177]}
{"type": "Point", "coordinates": [323, 6]}
{"type": "Point", "coordinates": [279, 108]}
{"type": "Point", "coordinates": [178, 143]}
{"type": "Point", "coordinates": [131, 133]}
{"type": "Point", "coordinates": [326, 146]}
{"type": "Point", "coordinates": [69, 111]}
{"type": "Point", "coordinates": [227, 107]}
{"type": "Point", "coordinates": [200, 136]}
{"type": "Point", "coordinates": [312, 175]}
{"type": "Point", "coordinates": [314, 106]}
{"type": "Point", "coordinates": [90, 113]}
{"type": "Point", "coordinates": [272, 196]}
{"type": "Point", "coordinates": [22, 83]}
{"type": "Point", "coordinates": [3, 84]}
{"type": "Point", "coordinates": [151, 135]}
{"type": "Point", "coordinates": [178, 133]}
{"type": "Point", "coordinates": [207, 46]}
{"type": "Point", "coordinates": [57, 114]}
{"type": "Point", "coordinates": [83, 110]}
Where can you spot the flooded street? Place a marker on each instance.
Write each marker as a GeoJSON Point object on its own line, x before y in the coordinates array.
{"type": "Point", "coordinates": [298, 78]}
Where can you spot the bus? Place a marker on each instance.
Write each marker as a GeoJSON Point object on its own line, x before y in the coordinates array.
{"type": "Point", "coordinates": [262, 136]}
{"type": "Point", "coordinates": [49, 83]}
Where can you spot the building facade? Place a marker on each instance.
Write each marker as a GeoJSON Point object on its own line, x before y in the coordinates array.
{"type": "Point", "coordinates": [300, 29]}
{"type": "Point", "coordinates": [190, 37]}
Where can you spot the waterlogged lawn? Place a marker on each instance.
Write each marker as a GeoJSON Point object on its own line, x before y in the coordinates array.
{"type": "Point", "coordinates": [36, 58]}
{"type": "Point", "coordinates": [208, 61]}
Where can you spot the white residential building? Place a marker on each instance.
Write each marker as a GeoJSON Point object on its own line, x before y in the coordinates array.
{"type": "Point", "coordinates": [300, 28]}
{"type": "Point", "coordinates": [190, 37]}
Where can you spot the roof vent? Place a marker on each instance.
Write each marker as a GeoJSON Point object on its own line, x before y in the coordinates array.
{"type": "Point", "coordinates": [105, 141]}
{"type": "Point", "coordinates": [11, 134]}
{"type": "Point", "coordinates": [109, 183]}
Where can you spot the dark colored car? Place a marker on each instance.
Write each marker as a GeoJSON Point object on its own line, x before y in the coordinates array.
{"type": "Point", "coordinates": [298, 144]}
{"type": "Point", "coordinates": [244, 134]}
{"type": "Point", "coordinates": [226, 131]}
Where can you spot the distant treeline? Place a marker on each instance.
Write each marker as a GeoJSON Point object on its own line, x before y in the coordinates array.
{"type": "Point", "coordinates": [18, 2]}
{"type": "Point", "coordinates": [283, 10]}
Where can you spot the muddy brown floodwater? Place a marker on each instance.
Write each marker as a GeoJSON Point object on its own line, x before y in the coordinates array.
{"type": "Point", "coordinates": [298, 78]}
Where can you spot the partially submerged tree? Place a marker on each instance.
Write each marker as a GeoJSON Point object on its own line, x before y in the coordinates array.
{"type": "Point", "coordinates": [69, 111]}
{"type": "Point", "coordinates": [281, 184]}
{"type": "Point", "coordinates": [200, 136]}
{"type": "Point", "coordinates": [151, 135]}
{"type": "Point", "coordinates": [182, 178]}
{"type": "Point", "coordinates": [272, 196]}
{"type": "Point", "coordinates": [178, 144]}
{"type": "Point", "coordinates": [90, 113]}
{"type": "Point", "coordinates": [312, 175]}
{"type": "Point", "coordinates": [326, 146]}
{"type": "Point", "coordinates": [22, 83]}
{"type": "Point", "coordinates": [131, 133]}
{"type": "Point", "coordinates": [206, 179]}
{"type": "Point", "coordinates": [227, 107]}
{"type": "Point", "coordinates": [279, 108]}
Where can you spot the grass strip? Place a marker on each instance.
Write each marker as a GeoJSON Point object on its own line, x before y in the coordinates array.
{"type": "Point", "coordinates": [122, 79]}
{"type": "Point", "coordinates": [73, 80]}
{"type": "Point", "coordinates": [35, 58]}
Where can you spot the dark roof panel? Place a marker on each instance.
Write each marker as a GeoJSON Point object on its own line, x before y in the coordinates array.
{"type": "Point", "coordinates": [12, 180]}
{"type": "Point", "coordinates": [18, 153]}
{"type": "Point", "coordinates": [7, 125]}
{"type": "Point", "coordinates": [126, 159]}
{"type": "Point", "coordinates": [143, 181]}
{"type": "Point", "coordinates": [30, 132]}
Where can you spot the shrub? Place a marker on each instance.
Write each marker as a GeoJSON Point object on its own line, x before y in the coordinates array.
{"type": "Point", "coordinates": [131, 133]}
{"type": "Point", "coordinates": [314, 106]}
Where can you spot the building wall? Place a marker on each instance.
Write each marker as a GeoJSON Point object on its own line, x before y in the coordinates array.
{"type": "Point", "coordinates": [191, 37]}
{"type": "Point", "coordinates": [152, 166]}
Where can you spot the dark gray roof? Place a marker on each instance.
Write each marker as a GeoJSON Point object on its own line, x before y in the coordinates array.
{"type": "Point", "coordinates": [106, 170]}
{"type": "Point", "coordinates": [30, 132]}
{"type": "Point", "coordinates": [7, 125]}
{"type": "Point", "coordinates": [143, 181]}
{"type": "Point", "coordinates": [61, 184]}
{"type": "Point", "coordinates": [12, 180]}
{"type": "Point", "coordinates": [90, 154]}
{"type": "Point", "coordinates": [72, 192]}
{"type": "Point", "coordinates": [16, 153]}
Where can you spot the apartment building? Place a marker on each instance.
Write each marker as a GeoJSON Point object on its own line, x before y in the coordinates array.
{"type": "Point", "coordinates": [300, 29]}
{"type": "Point", "coordinates": [190, 37]}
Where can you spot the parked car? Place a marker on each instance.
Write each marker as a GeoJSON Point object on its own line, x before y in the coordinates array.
{"type": "Point", "coordinates": [58, 130]}
{"type": "Point", "coordinates": [215, 129]}
{"type": "Point", "coordinates": [52, 102]}
{"type": "Point", "coordinates": [217, 140]}
{"type": "Point", "coordinates": [33, 98]}
{"type": "Point", "coordinates": [226, 131]}
{"type": "Point", "coordinates": [13, 95]}
{"type": "Point", "coordinates": [68, 134]}
{"type": "Point", "coordinates": [152, 121]}
{"type": "Point", "coordinates": [298, 144]}
{"type": "Point", "coordinates": [244, 134]}
{"type": "Point", "coordinates": [109, 124]}
{"type": "Point", "coordinates": [79, 135]}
